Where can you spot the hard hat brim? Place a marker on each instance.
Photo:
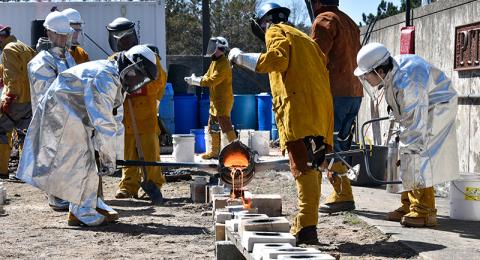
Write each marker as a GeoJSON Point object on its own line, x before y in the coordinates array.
{"type": "Point", "coordinates": [359, 72]}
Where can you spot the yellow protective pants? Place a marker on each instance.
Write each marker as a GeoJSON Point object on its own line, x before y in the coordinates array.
{"type": "Point", "coordinates": [418, 203]}
{"type": "Point", "coordinates": [308, 192]}
{"type": "Point", "coordinates": [5, 150]}
{"type": "Point", "coordinates": [131, 176]}
{"type": "Point", "coordinates": [342, 189]}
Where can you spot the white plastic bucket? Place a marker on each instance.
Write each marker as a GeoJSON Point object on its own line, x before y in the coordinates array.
{"type": "Point", "coordinates": [183, 148]}
{"type": "Point", "coordinates": [245, 136]}
{"type": "Point", "coordinates": [261, 142]}
{"type": "Point", "coordinates": [208, 141]}
{"type": "Point", "coordinates": [465, 197]}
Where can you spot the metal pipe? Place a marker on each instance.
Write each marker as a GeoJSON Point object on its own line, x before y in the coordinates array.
{"type": "Point", "coordinates": [308, 3]}
{"type": "Point", "coordinates": [96, 44]}
{"type": "Point", "coordinates": [206, 31]}
{"type": "Point", "coordinates": [407, 13]}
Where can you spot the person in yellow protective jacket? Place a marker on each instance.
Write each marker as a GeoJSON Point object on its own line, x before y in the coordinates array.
{"type": "Point", "coordinates": [145, 106]}
{"type": "Point", "coordinates": [76, 22]}
{"type": "Point", "coordinates": [302, 102]}
{"type": "Point", "coordinates": [219, 80]}
{"type": "Point", "coordinates": [15, 107]}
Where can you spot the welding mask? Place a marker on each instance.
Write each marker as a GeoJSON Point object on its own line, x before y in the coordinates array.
{"type": "Point", "coordinates": [216, 43]}
{"type": "Point", "coordinates": [137, 67]}
{"type": "Point", "coordinates": [122, 40]}
{"type": "Point", "coordinates": [270, 13]}
{"type": "Point", "coordinates": [121, 34]}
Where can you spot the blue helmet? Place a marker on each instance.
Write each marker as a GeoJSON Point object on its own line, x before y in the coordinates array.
{"type": "Point", "coordinates": [272, 12]}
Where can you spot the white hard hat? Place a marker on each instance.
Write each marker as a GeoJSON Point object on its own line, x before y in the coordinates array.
{"type": "Point", "coordinates": [141, 50]}
{"type": "Point", "coordinates": [58, 23]}
{"type": "Point", "coordinates": [222, 42]}
{"type": "Point", "coordinates": [369, 57]}
{"type": "Point", "coordinates": [73, 15]}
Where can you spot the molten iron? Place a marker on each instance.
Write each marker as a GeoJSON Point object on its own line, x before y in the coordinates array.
{"type": "Point", "coordinates": [236, 169]}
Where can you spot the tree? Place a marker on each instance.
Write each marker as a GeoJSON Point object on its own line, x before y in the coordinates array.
{"type": "Point", "coordinates": [386, 9]}
{"type": "Point", "coordinates": [184, 27]}
{"type": "Point", "coordinates": [229, 18]}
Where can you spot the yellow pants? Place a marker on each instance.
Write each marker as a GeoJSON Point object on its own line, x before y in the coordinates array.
{"type": "Point", "coordinates": [131, 176]}
{"type": "Point", "coordinates": [5, 150]}
{"type": "Point", "coordinates": [342, 189]}
{"type": "Point", "coordinates": [418, 203]}
{"type": "Point", "coordinates": [308, 192]}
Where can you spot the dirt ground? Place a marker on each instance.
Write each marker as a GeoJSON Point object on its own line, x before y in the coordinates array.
{"type": "Point", "coordinates": [177, 230]}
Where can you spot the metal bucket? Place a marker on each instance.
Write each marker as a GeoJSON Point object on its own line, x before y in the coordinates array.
{"type": "Point", "coordinates": [377, 159]}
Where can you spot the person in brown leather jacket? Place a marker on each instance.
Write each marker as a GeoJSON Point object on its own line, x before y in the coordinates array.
{"type": "Point", "coordinates": [339, 38]}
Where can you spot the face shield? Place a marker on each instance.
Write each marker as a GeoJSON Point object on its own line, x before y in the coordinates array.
{"type": "Point", "coordinates": [59, 40]}
{"type": "Point", "coordinates": [122, 40]}
{"type": "Point", "coordinates": [212, 47]}
{"type": "Point", "coordinates": [257, 29]}
{"type": "Point", "coordinates": [135, 76]}
{"type": "Point", "coordinates": [77, 35]}
{"type": "Point", "coordinates": [372, 83]}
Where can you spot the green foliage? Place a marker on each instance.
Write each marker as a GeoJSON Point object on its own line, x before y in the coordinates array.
{"type": "Point", "coordinates": [184, 27]}
{"type": "Point", "coordinates": [229, 18]}
{"type": "Point", "coordinates": [386, 9]}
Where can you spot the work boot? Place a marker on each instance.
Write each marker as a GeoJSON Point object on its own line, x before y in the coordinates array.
{"type": "Point", "coordinates": [412, 220]}
{"type": "Point", "coordinates": [335, 207]}
{"type": "Point", "coordinates": [214, 145]}
{"type": "Point", "coordinates": [231, 136]}
{"type": "Point", "coordinates": [307, 236]}
{"type": "Point", "coordinates": [341, 199]}
{"type": "Point", "coordinates": [4, 176]}
{"type": "Point", "coordinates": [123, 194]}
{"type": "Point", "coordinates": [57, 204]}
{"type": "Point", "coordinates": [109, 216]}
{"type": "Point", "coordinates": [75, 222]}
{"type": "Point", "coordinates": [395, 215]}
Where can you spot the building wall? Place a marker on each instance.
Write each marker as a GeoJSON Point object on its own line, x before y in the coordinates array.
{"type": "Point", "coordinates": [149, 18]}
{"type": "Point", "coordinates": [434, 40]}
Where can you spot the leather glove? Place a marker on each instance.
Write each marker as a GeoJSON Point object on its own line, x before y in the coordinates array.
{"type": "Point", "coordinates": [6, 102]}
{"type": "Point", "coordinates": [193, 80]}
{"type": "Point", "coordinates": [298, 157]}
{"type": "Point", "coordinates": [246, 60]}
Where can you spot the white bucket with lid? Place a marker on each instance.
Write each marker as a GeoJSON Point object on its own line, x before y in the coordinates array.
{"type": "Point", "coordinates": [465, 197]}
{"type": "Point", "coordinates": [184, 148]}
{"type": "Point", "coordinates": [261, 142]}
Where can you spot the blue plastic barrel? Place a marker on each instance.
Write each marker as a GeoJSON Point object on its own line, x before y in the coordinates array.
{"type": "Point", "coordinates": [199, 140]}
{"type": "Point", "coordinates": [166, 110]}
{"type": "Point", "coordinates": [204, 109]}
{"type": "Point", "coordinates": [244, 112]}
{"type": "Point", "coordinates": [264, 111]}
{"type": "Point", "coordinates": [186, 113]}
{"type": "Point", "coordinates": [274, 132]}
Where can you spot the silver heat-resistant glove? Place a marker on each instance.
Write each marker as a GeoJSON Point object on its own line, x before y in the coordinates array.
{"type": "Point", "coordinates": [246, 60]}
{"type": "Point", "coordinates": [193, 80]}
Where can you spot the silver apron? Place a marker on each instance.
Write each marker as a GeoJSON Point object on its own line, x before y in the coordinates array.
{"type": "Point", "coordinates": [424, 103]}
{"type": "Point", "coordinates": [43, 69]}
{"type": "Point", "coordinates": [73, 120]}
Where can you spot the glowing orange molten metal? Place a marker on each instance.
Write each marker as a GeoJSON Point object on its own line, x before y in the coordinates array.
{"type": "Point", "coordinates": [237, 162]}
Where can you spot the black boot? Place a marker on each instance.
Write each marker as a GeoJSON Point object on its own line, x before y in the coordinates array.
{"type": "Point", "coordinates": [308, 236]}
